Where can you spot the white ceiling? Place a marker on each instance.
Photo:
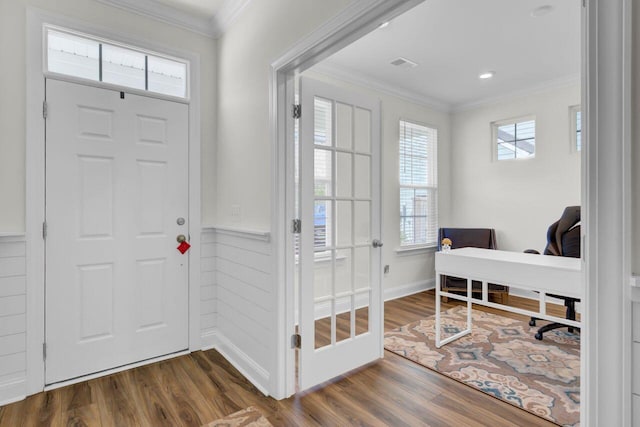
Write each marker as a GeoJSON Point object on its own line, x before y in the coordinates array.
{"type": "Point", "coordinates": [207, 17]}
{"type": "Point", "coordinates": [453, 41]}
{"type": "Point", "coordinates": [208, 8]}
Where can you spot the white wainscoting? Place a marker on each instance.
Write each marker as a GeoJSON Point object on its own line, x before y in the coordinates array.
{"type": "Point", "coordinates": [635, 365]}
{"type": "Point", "coordinates": [13, 324]}
{"type": "Point", "coordinates": [236, 299]}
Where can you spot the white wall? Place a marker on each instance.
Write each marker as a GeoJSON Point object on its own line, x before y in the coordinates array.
{"type": "Point", "coordinates": [408, 271]}
{"type": "Point", "coordinates": [13, 88]}
{"type": "Point", "coordinates": [264, 31]}
{"type": "Point", "coordinates": [519, 198]}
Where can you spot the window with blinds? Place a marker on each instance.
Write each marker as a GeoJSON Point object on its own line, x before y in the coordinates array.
{"type": "Point", "coordinates": [576, 127]}
{"type": "Point", "coordinates": [515, 139]}
{"type": "Point", "coordinates": [418, 185]}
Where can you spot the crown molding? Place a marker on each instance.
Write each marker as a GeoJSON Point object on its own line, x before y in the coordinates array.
{"type": "Point", "coordinates": [167, 14]}
{"type": "Point", "coordinates": [361, 79]}
{"type": "Point", "coordinates": [210, 27]}
{"type": "Point", "coordinates": [534, 90]}
{"type": "Point", "coordinates": [227, 15]}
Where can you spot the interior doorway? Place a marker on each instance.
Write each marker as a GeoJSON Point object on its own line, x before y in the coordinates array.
{"type": "Point", "coordinates": [577, 82]}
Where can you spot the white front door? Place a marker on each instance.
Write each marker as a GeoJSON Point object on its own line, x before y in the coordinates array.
{"type": "Point", "coordinates": [116, 188]}
{"type": "Point", "coordinates": [340, 288]}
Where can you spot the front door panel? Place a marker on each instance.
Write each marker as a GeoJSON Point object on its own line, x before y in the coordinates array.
{"type": "Point", "coordinates": [116, 181]}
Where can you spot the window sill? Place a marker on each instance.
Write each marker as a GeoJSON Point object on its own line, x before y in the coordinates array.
{"type": "Point", "coordinates": [415, 250]}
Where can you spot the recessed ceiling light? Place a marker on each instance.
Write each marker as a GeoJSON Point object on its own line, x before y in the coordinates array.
{"type": "Point", "coordinates": [384, 24]}
{"type": "Point", "coordinates": [541, 11]}
{"type": "Point", "coordinates": [486, 75]}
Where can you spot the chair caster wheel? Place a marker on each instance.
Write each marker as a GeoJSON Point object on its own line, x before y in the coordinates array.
{"type": "Point", "coordinates": [532, 322]}
{"type": "Point", "coordinates": [538, 336]}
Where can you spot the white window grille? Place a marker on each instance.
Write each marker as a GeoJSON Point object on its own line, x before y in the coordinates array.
{"type": "Point", "coordinates": [91, 58]}
{"type": "Point", "coordinates": [514, 139]}
{"type": "Point", "coordinates": [575, 115]}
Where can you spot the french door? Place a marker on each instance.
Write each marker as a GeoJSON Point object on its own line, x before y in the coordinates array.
{"type": "Point", "coordinates": [340, 285]}
{"type": "Point", "coordinates": [116, 199]}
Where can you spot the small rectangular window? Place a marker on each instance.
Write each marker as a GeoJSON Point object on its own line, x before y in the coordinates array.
{"type": "Point", "coordinates": [123, 67]}
{"type": "Point", "coordinates": [87, 57]}
{"type": "Point", "coordinates": [418, 184]}
{"type": "Point", "coordinates": [514, 139]}
{"type": "Point", "coordinates": [576, 127]}
{"type": "Point", "coordinates": [166, 76]}
{"type": "Point", "coordinates": [73, 56]}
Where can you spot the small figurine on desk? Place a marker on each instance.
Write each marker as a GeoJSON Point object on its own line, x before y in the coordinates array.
{"type": "Point", "coordinates": [446, 244]}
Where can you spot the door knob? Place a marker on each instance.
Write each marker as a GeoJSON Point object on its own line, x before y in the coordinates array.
{"type": "Point", "coordinates": [377, 243]}
{"type": "Point", "coordinates": [181, 238]}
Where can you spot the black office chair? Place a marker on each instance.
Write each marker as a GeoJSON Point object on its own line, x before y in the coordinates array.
{"type": "Point", "coordinates": [563, 239]}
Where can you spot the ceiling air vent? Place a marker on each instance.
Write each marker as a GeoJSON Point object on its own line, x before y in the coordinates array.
{"type": "Point", "coordinates": [403, 63]}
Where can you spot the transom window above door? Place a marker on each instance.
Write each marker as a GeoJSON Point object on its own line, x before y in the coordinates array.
{"type": "Point", "coordinates": [90, 58]}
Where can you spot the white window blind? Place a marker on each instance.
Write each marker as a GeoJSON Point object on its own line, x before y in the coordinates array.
{"type": "Point", "coordinates": [515, 139]}
{"type": "Point", "coordinates": [418, 185]}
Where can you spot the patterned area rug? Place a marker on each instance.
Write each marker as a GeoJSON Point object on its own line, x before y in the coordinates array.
{"type": "Point", "coordinates": [502, 358]}
{"type": "Point", "coordinates": [249, 417]}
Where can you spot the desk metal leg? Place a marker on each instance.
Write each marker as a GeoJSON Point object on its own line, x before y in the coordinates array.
{"type": "Point", "coordinates": [439, 342]}
{"type": "Point", "coordinates": [469, 304]}
{"type": "Point", "coordinates": [438, 282]}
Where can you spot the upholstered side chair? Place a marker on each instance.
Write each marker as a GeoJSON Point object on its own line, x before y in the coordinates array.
{"type": "Point", "coordinates": [475, 238]}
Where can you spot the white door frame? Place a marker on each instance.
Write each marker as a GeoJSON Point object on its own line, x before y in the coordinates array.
{"type": "Point", "coordinates": [606, 88]}
{"type": "Point", "coordinates": [356, 20]}
{"type": "Point", "coordinates": [35, 181]}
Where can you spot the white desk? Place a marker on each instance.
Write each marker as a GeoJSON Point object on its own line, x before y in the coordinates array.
{"type": "Point", "coordinates": [542, 273]}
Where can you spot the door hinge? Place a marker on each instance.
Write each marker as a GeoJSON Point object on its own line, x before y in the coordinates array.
{"type": "Point", "coordinates": [45, 109]}
{"type": "Point", "coordinates": [297, 111]}
{"type": "Point", "coordinates": [296, 341]}
{"type": "Point", "coordinates": [44, 351]}
{"type": "Point", "coordinates": [44, 230]}
{"type": "Point", "coordinates": [296, 226]}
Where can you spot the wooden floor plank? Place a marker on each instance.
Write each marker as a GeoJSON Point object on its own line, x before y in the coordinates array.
{"type": "Point", "coordinates": [203, 386]}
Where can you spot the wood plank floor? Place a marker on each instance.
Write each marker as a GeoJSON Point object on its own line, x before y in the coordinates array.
{"type": "Point", "coordinates": [198, 388]}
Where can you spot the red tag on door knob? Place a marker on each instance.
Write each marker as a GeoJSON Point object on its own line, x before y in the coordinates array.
{"type": "Point", "coordinates": [184, 247]}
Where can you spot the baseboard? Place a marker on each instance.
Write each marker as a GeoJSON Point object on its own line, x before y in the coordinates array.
{"type": "Point", "coordinates": [324, 309]}
{"type": "Point", "coordinates": [208, 340]}
{"type": "Point", "coordinates": [253, 372]}
{"type": "Point", "coordinates": [13, 391]}
{"type": "Point", "coordinates": [409, 289]}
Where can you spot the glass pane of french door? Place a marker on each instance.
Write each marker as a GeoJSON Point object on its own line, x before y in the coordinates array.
{"type": "Point", "coordinates": [342, 221]}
